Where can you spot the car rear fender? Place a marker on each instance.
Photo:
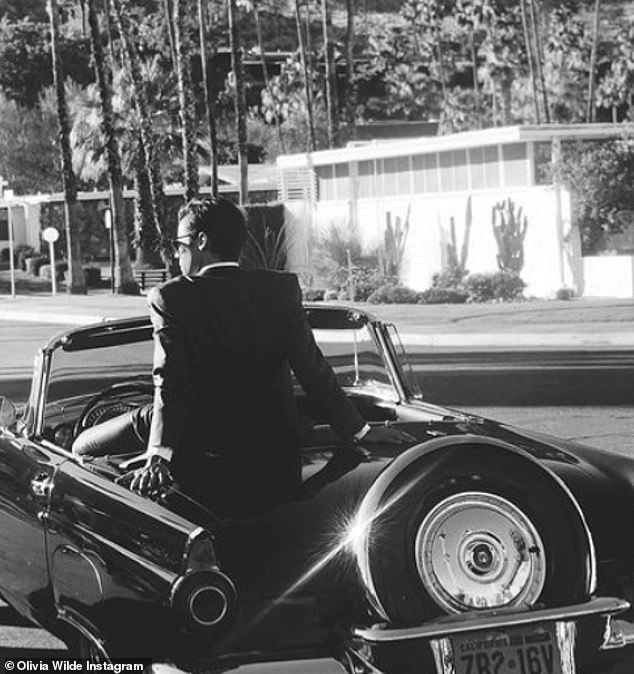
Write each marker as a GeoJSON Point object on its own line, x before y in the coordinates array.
{"type": "Point", "coordinates": [421, 458]}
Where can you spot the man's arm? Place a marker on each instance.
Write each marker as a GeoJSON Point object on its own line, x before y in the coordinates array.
{"type": "Point", "coordinates": [320, 383]}
{"type": "Point", "coordinates": [170, 416]}
{"type": "Point", "coordinates": [171, 375]}
{"type": "Point", "coordinates": [315, 374]}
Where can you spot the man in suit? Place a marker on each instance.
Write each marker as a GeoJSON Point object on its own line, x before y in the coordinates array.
{"type": "Point", "coordinates": [224, 342]}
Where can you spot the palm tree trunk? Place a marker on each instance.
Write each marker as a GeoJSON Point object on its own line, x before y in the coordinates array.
{"type": "Point", "coordinates": [593, 63]}
{"type": "Point", "coordinates": [144, 229]}
{"type": "Point", "coordinates": [124, 282]}
{"type": "Point", "coordinates": [328, 73]}
{"type": "Point", "coordinates": [265, 73]}
{"type": "Point", "coordinates": [351, 96]}
{"type": "Point", "coordinates": [539, 55]}
{"type": "Point", "coordinates": [209, 103]}
{"type": "Point", "coordinates": [529, 56]}
{"type": "Point", "coordinates": [77, 283]}
{"type": "Point", "coordinates": [474, 65]}
{"type": "Point", "coordinates": [167, 14]}
{"type": "Point", "coordinates": [308, 85]}
{"type": "Point", "coordinates": [240, 102]}
{"type": "Point", "coordinates": [186, 104]}
{"type": "Point", "coordinates": [140, 96]}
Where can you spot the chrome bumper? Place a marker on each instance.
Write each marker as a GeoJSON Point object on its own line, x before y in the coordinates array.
{"type": "Point", "coordinates": [469, 622]}
{"type": "Point", "coordinates": [616, 633]}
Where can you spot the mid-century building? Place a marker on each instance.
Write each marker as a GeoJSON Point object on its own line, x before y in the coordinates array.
{"type": "Point", "coordinates": [429, 181]}
{"type": "Point", "coordinates": [26, 209]}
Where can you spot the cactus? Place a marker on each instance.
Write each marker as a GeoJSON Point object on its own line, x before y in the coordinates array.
{"type": "Point", "coordinates": [457, 263]}
{"type": "Point", "coordinates": [509, 229]}
{"type": "Point", "coordinates": [394, 240]}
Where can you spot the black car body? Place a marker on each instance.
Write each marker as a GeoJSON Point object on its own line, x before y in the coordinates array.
{"type": "Point", "coordinates": [479, 548]}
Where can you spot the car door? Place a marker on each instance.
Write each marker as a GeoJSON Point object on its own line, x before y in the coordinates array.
{"type": "Point", "coordinates": [27, 472]}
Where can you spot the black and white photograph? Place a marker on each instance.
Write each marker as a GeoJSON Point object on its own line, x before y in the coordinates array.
{"type": "Point", "coordinates": [317, 336]}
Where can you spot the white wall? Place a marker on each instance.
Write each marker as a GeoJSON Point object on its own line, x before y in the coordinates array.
{"type": "Point", "coordinates": [547, 264]}
{"type": "Point", "coordinates": [608, 276]}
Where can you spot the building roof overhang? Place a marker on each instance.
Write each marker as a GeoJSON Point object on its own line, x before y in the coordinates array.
{"type": "Point", "coordinates": [455, 141]}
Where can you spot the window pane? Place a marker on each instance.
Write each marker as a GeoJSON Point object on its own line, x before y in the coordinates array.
{"type": "Point", "coordinates": [461, 170]}
{"type": "Point", "coordinates": [485, 170]}
{"type": "Point", "coordinates": [342, 181]}
{"type": "Point", "coordinates": [446, 171]}
{"type": "Point", "coordinates": [390, 176]}
{"type": "Point", "coordinates": [492, 166]}
{"type": "Point", "coordinates": [365, 179]}
{"type": "Point", "coordinates": [478, 178]}
{"type": "Point", "coordinates": [403, 175]}
{"type": "Point", "coordinates": [4, 229]}
{"type": "Point", "coordinates": [325, 182]}
{"type": "Point", "coordinates": [515, 164]}
{"type": "Point", "coordinates": [431, 172]}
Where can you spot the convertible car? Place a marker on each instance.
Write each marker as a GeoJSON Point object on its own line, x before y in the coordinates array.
{"type": "Point", "coordinates": [477, 549]}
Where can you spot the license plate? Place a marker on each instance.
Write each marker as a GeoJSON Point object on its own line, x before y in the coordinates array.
{"type": "Point", "coordinates": [525, 650]}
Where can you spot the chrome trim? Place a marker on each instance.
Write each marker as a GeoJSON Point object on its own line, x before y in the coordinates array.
{"type": "Point", "coordinates": [363, 664]}
{"type": "Point", "coordinates": [191, 539]}
{"type": "Point", "coordinates": [225, 605]}
{"type": "Point", "coordinates": [378, 330]}
{"type": "Point", "coordinates": [462, 529]}
{"type": "Point", "coordinates": [483, 620]}
{"type": "Point", "coordinates": [68, 617]}
{"type": "Point", "coordinates": [617, 634]}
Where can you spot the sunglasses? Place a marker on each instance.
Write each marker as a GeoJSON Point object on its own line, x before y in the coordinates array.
{"type": "Point", "coordinates": [181, 243]}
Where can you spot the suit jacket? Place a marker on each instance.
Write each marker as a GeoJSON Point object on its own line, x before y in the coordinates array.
{"type": "Point", "coordinates": [224, 343]}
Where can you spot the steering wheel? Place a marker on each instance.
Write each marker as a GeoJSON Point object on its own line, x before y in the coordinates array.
{"type": "Point", "coordinates": [123, 388]}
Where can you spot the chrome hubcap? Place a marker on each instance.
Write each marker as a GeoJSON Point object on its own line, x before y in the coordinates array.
{"type": "Point", "coordinates": [477, 550]}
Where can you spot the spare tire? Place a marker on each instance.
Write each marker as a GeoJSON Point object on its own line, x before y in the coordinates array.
{"type": "Point", "coordinates": [471, 527]}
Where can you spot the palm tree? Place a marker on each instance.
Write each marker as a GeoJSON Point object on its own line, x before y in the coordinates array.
{"type": "Point", "coordinates": [252, 5]}
{"type": "Point", "coordinates": [240, 101]}
{"type": "Point", "coordinates": [593, 62]}
{"type": "Point", "coordinates": [308, 85]}
{"type": "Point", "coordinates": [187, 112]}
{"type": "Point", "coordinates": [350, 83]}
{"type": "Point", "coordinates": [539, 55]}
{"type": "Point", "coordinates": [328, 73]}
{"type": "Point", "coordinates": [209, 103]}
{"type": "Point", "coordinates": [141, 103]}
{"type": "Point", "coordinates": [77, 284]}
{"type": "Point", "coordinates": [124, 276]}
{"type": "Point", "coordinates": [531, 58]}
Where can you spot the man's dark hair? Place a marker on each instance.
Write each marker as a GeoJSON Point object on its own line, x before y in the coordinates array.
{"type": "Point", "coordinates": [221, 220]}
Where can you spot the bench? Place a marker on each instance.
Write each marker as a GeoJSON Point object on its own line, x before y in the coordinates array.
{"type": "Point", "coordinates": [147, 278]}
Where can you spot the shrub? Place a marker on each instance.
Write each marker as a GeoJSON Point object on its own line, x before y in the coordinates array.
{"type": "Point", "coordinates": [440, 295]}
{"type": "Point", "coordinates": [392, 293]}
{"type": "Point", "coordinates": [507, 285]}
{"type": "Point", "coordinates": [487, 287]}
{"type": "Point", "coordinates": [450, 278]}
{"type": "Point", "coordinates": [368, 280]}
{"type": "Point", "coordinates": [565, 294]}
{"type": "Point", "coordinates": [314, 294]}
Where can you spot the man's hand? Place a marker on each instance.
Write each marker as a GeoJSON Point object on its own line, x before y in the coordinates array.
{"type": "Point", "coordinates": [386, 434]}
{"type": "Point", "coordinates": [152, 479]}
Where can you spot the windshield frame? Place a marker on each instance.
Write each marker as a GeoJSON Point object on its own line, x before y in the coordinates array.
{"type": "Point", "coordinates": [114, 332]}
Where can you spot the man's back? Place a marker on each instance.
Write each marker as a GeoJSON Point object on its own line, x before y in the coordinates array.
{"type": "Point", "coordinates": [229, 337]}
